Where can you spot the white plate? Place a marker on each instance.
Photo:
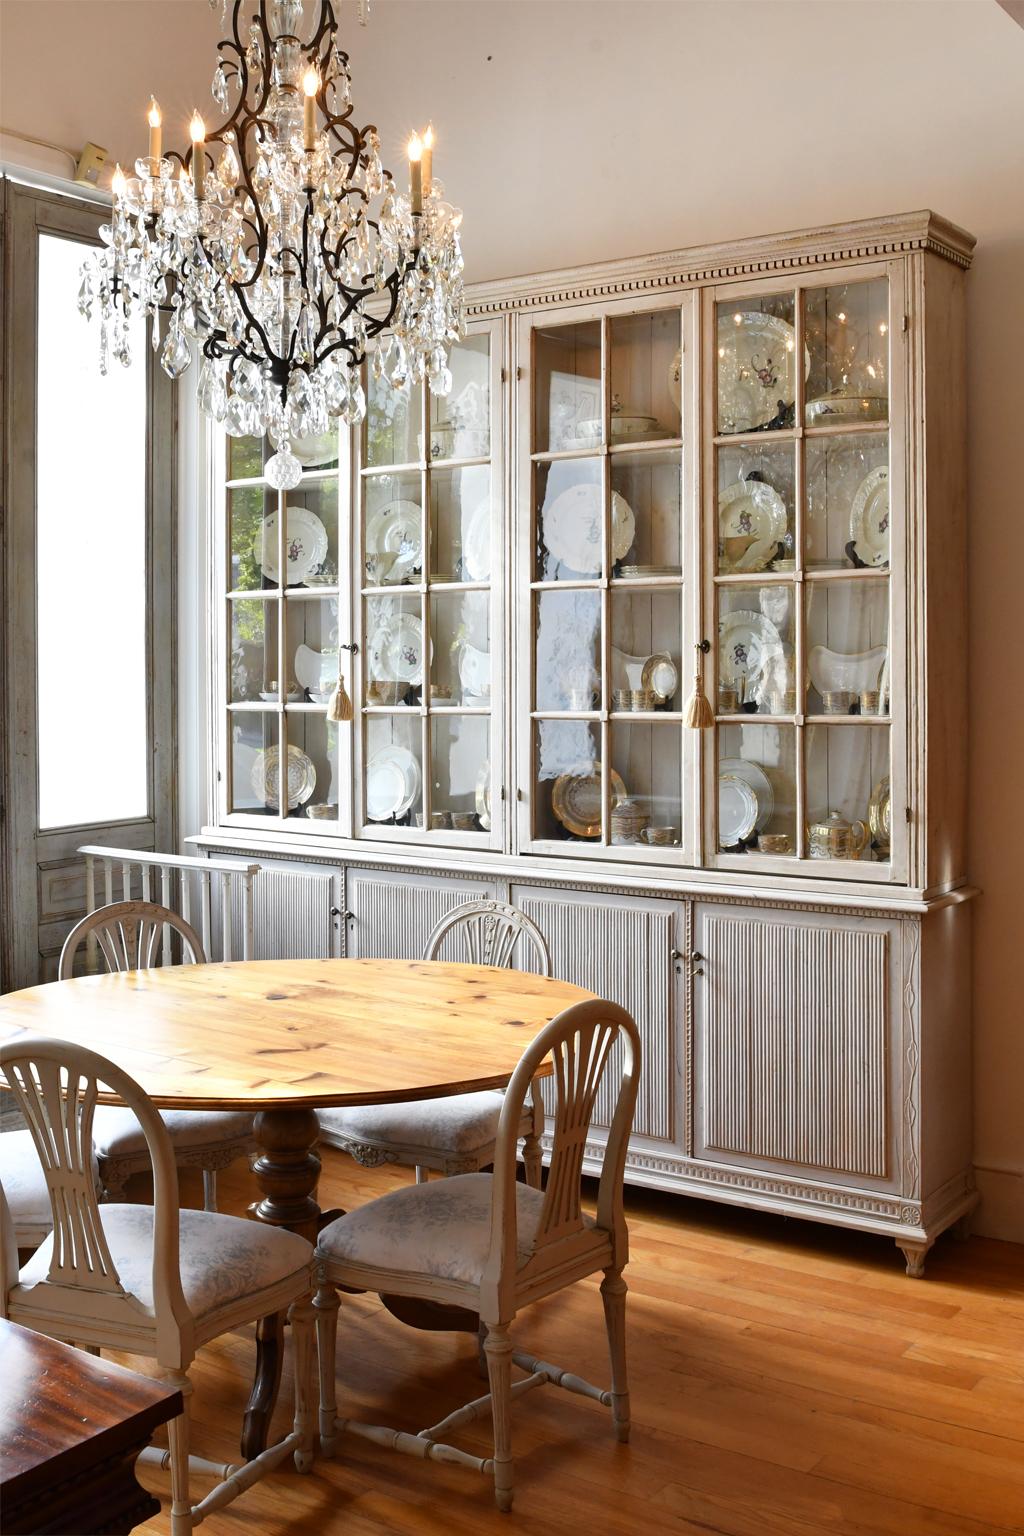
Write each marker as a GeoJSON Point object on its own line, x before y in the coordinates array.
{"type": "Point", "coordinates": [311, 451]}
{"type": "Point", "coordinates": [392, 783]}
{"type": "Point", "coordinates": [476, 542]}
{"type": "Point", "coordinates": [753, 510]}
{"type": "Point", "coordinates": [737, 810]}
{"type": "Point", "coordinates": [396, 529]}
{"type": "Point", "coordinates": [316, 670]}
{"type": "Point", "coordinates": [265, 776]}
{"type": "Point", "coordinates": [395, 650]}
{"type": "Point", "coordinates": [750, 651]}
{"type": "Point", "coordinates": [572, 528]}
{"type": "Point", "coordinates": [754, 775]}
{"type": "Point", "coordinates": [306, 546]}
{"type": "Point", "coordinates": [857, 672]}
{"type": "Point", "coordinates": [869, 518]}
{"type": "Point", "coordinates": [756, 369]}
{"type": "Point", "coordinates": [475, 671]}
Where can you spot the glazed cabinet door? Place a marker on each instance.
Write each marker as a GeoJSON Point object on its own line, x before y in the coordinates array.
{"type": "Point", "coordinates": [391, 913]}
{"type": "Point", "coordinates": [428, 601]}
{"type": "Point", "coordinates": [605, 561]}
{"type": "Point", "coordinates": [625, 949]}
{"type": "Point", "coordinates": [796, 1045]}
{"type": "Point", "coordinates": [805, 427]}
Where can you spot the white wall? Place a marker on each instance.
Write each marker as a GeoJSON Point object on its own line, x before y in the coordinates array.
{"type": "Point", "coordinates": [576, 130]}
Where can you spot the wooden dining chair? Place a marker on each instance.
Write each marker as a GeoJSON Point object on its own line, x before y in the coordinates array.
{"type": "Point", "coordinates": [149, 1280]}
{"type": "Point", "coordinates": [456, 1134]}
{"type": "Point", "coordinates": [487, 1243]}
{"type": "Point", "coordinates": [130, 935]}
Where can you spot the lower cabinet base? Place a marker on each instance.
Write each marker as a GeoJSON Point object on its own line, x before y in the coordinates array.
{"type": "Point", "coordinates": [912, 1225]}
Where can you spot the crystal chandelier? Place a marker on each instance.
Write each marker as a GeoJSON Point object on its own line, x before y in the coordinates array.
{"type": "Point", "coordinates": [286, 254]}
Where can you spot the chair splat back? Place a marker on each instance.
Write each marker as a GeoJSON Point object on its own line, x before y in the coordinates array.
{"type": "Point", "coordinates": [56, 1084]}
{"type": "Point", "coordinates": [487, 933]}
{"type": "Point", "coordinates": [129, 935]}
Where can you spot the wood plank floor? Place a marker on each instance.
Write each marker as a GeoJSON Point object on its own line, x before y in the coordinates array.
{"type": "Point", "coordinates": [787, 1380]}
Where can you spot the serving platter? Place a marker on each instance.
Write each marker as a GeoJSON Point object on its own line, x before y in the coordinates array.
{"type": "Point", "coordinates": [754, 511]}
{"type": "Point", "coordinates": [576, 800]}
{"type": "Point", "coordinates": [265, 776]}
{"type": "Point", "coordinates": [396, 529]}
{"type": "Point", "coordinates": [393, 781]}
{"type": "Point", "coordinates": [572, 528]}
{"type": "Point", "coordinates": [305, 545]}
{"type": "Point", "coordinates": [756, 369]}
{"type": "Point", "coordinates": [869, 518]}
{"type": "Point", "coordinates": [737, 810]}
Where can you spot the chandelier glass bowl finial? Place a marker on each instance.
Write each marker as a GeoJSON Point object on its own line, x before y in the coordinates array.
{"type": "Point", "coordinates": [278, 246]}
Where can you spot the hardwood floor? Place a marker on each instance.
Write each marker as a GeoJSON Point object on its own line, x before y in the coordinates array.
{"type": "Point", "coordinates": [787, 1380]}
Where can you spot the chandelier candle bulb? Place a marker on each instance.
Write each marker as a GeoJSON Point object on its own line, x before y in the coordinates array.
{"type": "Point", "coordinates": [310, 84]}
{"type": "Point", "coordinates": [155, 121]}
{"type": "Point", "coordinates": [416, 175]}
{"type": "Point", "coordinates": [119, 182]}
{"type": "Point", "coordinates": [428, 158]}
{"type": "Point", "coordinates": [197, 130]}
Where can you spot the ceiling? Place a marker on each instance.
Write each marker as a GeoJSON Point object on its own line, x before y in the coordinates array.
{"type": "Point", "coordinates": [573, 130]}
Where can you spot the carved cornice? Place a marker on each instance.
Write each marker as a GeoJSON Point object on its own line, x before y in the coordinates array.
{"type": "Point", "coordinates": [767, 255]}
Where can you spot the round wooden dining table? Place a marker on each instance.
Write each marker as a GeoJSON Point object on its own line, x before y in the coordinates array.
{"type": "Point", "coordinates": [285, 1037]}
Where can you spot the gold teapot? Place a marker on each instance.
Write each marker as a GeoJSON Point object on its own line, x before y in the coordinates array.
{"type": "Point", "coordinates": [837, 838]}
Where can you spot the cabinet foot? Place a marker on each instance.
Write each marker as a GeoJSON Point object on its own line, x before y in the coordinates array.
{"type": "Point", "coordinates": [915, 1254]}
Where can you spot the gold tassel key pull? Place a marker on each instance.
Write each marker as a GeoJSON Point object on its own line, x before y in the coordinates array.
{"type": "Point", "coordinates": [339, 705]}
{"type": "Point", "coordinates": [698, 715]}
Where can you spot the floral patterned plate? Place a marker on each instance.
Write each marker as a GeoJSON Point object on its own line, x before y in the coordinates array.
{"type": "Point", "coordinates": [751, 522]}
{"type": "Point", "coordinates": [750, 653]}
{"type": "Point", "coordinates": [395, 650]}
{"type": "Point", "coordinates": [396, 529]}
{"type": "Point", "coordinates": [576, 800]}
{"type": "Point", "coordinates": [869, 518]}
{"type": "Point", "coordinates": [305, 546]}
{"type": "Point", "coordinates": [756, 369]}
{"type": "Point", "coordinates": [572, 527]}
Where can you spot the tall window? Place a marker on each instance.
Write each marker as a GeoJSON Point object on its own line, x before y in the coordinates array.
{"type": "Point", "coordinates": [91, 559]}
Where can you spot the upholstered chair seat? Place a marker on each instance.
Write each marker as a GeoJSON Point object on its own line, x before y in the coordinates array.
{"type": "Point", "coordinates": [461, 1126]}
{"type": "Point", "coordinates": [117, 1133]}
{"type": "Point", "coordinates": [24, 1187]}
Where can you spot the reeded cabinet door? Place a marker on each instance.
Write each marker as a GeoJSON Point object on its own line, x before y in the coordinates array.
{"type": "Point", "coordinates": [391, 913]}
{"type": "Point", "coordinates": [794, 1014]}
{"type": "Point", "coordinates": [625, 949]}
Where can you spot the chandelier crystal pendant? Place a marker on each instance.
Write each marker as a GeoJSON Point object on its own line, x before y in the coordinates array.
{"type": "Point", "coordinates": [280, 246]}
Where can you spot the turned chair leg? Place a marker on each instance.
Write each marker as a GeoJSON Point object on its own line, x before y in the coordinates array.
{"type": "Point", "coordinates": [301, 1317]}
{"type": "Point", "coordinates": [209, 1189]}
{"type": "Point", "coordinates": [613, 1294]}
{"type": "Point", "coordinates": [498, 1350]}
{"type": "Point", "coordinates": [177, 1441]}
{"type": "Point", "coordinates": [325, 1304]}
{"type": "Point", "coordinates": [481, 1357]}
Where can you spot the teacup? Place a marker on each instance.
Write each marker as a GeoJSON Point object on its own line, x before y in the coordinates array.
{"type": "Point", "coordinates": [728, 700]}
{"type": "Point", "coordinates": [775, 842]}
{"type": "Point", "coordinates": [464, 821]}
{"type": "Point", "coordinates": [837, 701]}
{"type": "Point", "coordinates": [659, 837]}
{"type": "Point", "coordinates": [581, 699]}
{"type": "Point", "coordinates": [870, 702]}
{"type": "Point", "coordinates": [321, 811]}
{"type": "Point", "coordinates": [641, 698]}
{"type": "Point", "coordinates": [440, 821]}
{"type": "Point", "coordinates": [621, 699]}
{"type": "Point", "coordinates": [784, 702]}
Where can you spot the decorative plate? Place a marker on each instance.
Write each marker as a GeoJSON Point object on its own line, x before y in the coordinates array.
{"type": "Point", "coordinates": [395, 650]}
{"type": "Point", "coordinates": [476, 542]}
{"type": "Point", "coordinates": [737, 810]}
{"type": "Point", "coordinates": [316, 670]}
{"type": "Point", "coordinates": [572, 528]}
{"type": "Point", "coordinates": [311, 451]}
{"type": "Point", "coordinates": [756, 369]}
{"type": "Point", "coordinates": [396, 529]}
{"type": "Point", "coordinates": [306, 546]}
{"type": "Point", "coordinates": [475, 671]}
{"type": "Point", "coordinates": [266, 776]}
{"type": "Point", "coordinates": [660, 675]}
{"type": "Point", "coordinates": [754, 775]}
{"type": "Point", "coordinates": [392, 783]}
{"type": "Point", "coordinates": [483, 797]}
{"type": "Point", "coordinates": [754, 511]}
{"type": "Point", "coordinates": [576, 800]}
{"type": "Point", "coordinates": [857, 672]}
{"type": "Point", "coordinates": [750, 651]}
{"type": "Point", "coordinates": [880, 815]}
{"type": "Point", "coordinates": [869, 518]}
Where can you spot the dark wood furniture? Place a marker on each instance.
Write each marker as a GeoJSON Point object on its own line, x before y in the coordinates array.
{"type": "Point", "coordinates": [71, 1426]}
